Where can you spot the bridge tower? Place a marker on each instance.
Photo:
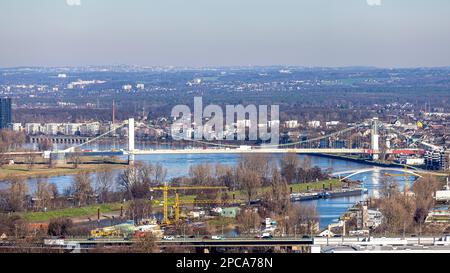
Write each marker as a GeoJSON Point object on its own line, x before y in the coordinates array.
{"type": "Point", "coordinates": [375, 145]}
{"type": "Point", "coordinates": [131, 141]}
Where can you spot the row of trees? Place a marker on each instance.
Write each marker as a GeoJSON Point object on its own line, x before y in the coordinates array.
{"type": "Point", "coordinates": [86, 188]}
{"type": "Point", "coordinates": [10, 140]}
{"type": "Point", "coordinates": [14, 198]}
{"type": "Point", "coordinates": [296, 171]}
{"type": "Point", "coordinates": [406, 213]}
{"type": "Point", "coordinates": [133, 184]}
{"type": "Point", "coordinates": [254, 171]}
{"type": "Point", "coordinates": [249, 175]}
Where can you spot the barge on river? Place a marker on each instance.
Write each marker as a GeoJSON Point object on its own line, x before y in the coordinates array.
{"type": "Point", "coordinates": [305, 196]}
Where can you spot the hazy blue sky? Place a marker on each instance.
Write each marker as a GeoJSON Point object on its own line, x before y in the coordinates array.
{"type": "Point", "coordinates": [225, 32]}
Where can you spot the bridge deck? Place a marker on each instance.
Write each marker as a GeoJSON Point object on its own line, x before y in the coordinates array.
{"type": "Point", "coordinates": [251, 151]}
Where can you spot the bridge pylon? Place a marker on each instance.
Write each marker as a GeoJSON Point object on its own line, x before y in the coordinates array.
{"type": "Point", "coordinates": [375, 139]}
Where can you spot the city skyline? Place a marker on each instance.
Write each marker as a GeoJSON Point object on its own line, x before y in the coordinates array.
{"type": "Point", "coordinates": [202, 33]}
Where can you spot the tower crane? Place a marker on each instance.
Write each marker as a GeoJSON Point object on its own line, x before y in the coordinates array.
{"type": "Point", "coordinates": [405, 178]}
{"type": "Point", "coordinates": [166, 188]}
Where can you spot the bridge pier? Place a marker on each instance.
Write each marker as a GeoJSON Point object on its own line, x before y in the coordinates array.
{"type": "Point", "coordinates": [375, 140]}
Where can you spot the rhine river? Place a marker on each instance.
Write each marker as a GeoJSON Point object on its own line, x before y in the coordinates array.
{"type": "Point", "coordinates": [328, 210]}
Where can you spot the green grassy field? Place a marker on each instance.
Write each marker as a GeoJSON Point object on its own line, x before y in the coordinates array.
{"type": "Point", "coordinates": [188, 199]}
{"type": "Point", "coordinates": [71, 212]}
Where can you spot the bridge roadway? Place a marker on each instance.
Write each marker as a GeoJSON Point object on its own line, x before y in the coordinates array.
{"type": "Point", "coordinates": [229, 151]}
{"type": "Point", "coordinates": [276, 241]}
{"type": "Point", "coordinates": [219, 151]}
{"type": "Point", "coordinates": [415, 172]}
{"type": "Point", "coordinates": [250, 151]}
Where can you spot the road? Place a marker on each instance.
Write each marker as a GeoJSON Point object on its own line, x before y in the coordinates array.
{"type": "Point", "coordinates": [277, 241]}
{"type": "Point", "coordinates": [322, 241]}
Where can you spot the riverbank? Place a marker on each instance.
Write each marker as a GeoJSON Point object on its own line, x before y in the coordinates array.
{"type": "Point", "coordinates": [91, 210]}
{"type": "Point", "coordinates": [43, 171]}
{"type": "Point", "coordinates": [300, 187]}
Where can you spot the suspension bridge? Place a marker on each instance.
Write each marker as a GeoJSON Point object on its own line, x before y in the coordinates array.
{"type": "Point", "coordinates": [362, 138]}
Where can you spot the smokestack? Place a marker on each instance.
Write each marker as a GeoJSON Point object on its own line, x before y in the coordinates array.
{"type": "Point", "coordinates": [113, 113]}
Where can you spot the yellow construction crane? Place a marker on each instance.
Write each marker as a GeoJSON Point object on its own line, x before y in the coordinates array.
{"type": "Point", "coordinates": [166, 188]}
{"type": "Point", "coordinates": [405, 177]}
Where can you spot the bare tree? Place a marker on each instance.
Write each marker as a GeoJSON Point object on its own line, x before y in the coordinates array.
{"type": "Point", "coordinates": [248, 220]}
{"type": "Point", "coordinates": [75, 158]}
{"type": "Point", "coordinates": [60, 227]}
{"type": "Point", "coordinates": [147, 244]}
{"type": "Point", "coordinates": [306, 163]}
{"type": "Point", "coordinates": [159, 174]}
{"type": "Point", "coordinates": [398, 211]}
{"type": "Point", "coordinates": [10, 140]}
{"type": "Point", "coordinates": [138, 209]}
{"type": "Point", "coordinates": [16, 195]}
{"type": "Point", "coordinates": [30, 160]}
{"type": "Point", "coordinates": [104, 181]}
{"type": "Point", "coordinates": [389, 187]}
{"type": "Point", "coordinates": [82, 189]}
{"type": "Point", "coordinates": [135, 181]}
{"type": "Point", "coordinates": [289, 166]}
{"type": "Point", "coordinates": [201, 175]}
{"type": "Point", "coordinates": [13, 225]}
{"type": "Point", "coordinates": [301, 220]}
{"type": "Point", "coordinates": [423, 189]}
{"type": "Point", "coordinates": [249, 181]}
{"type": "Point", "coordinates": [279, 198]}
{"type": "Point", "coordinates": [225, 176]}
{"type": "Point", "coordinates": [54, 190]}
{"type": "Point", "coordinates": [43, 195]}
{"type": "Point", "coordinates": [258, 163]}
{"type": "Point", "coordinates": [3, 159]}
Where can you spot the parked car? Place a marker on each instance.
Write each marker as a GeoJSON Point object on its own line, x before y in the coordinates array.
{"type": "Point", "coordinates": [168, 238]}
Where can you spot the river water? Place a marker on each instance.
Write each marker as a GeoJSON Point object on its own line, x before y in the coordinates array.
{"type": "Point", "coordinates": [328, 210]}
